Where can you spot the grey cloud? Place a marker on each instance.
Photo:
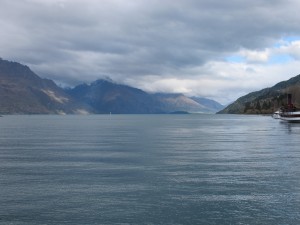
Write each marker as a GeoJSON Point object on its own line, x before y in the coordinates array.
{"type": "Point", "coordinates": [82, 40]}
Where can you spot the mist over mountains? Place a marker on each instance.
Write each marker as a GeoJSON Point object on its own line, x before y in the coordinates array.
{"type": "Point", "coordinates": [24, 92]}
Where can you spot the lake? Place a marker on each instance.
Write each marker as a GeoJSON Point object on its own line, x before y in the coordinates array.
{"type": "Point", "coordinates": [149, 169]}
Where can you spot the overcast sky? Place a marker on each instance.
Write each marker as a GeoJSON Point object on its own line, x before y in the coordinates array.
{"type": "Point", "coordinates": [210, 48]}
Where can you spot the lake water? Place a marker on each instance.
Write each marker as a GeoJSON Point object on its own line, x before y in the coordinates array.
{"type": "Point", "coordinates": [149, 169]}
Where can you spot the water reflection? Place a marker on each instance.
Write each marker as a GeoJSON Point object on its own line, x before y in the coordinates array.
{"type": "Point", "coordinates": [290, 127]}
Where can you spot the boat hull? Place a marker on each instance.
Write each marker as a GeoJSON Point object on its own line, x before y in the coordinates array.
{"type": "Point", "coordinates": [290, 117]}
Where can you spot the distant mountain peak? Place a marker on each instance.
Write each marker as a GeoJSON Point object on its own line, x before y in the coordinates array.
{"type": "Point", "coordinates": [24, 92]}
{"type": "Point", "coordinates": [102, 81]}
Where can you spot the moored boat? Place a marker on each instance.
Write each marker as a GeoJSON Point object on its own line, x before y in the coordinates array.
{"type": "Point", "coordinates": [289, 112]}
{"type": "Point", "coordinates": [276, 115]}
{"type": "Point", "coordinates": [290, 116]}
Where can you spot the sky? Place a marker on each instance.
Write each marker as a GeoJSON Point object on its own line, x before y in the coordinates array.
{"type": "Point", "coordinates": [209, 48]}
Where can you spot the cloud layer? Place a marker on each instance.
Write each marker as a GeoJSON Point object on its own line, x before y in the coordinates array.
{"type": "Point", "coordinates": [211, 48]}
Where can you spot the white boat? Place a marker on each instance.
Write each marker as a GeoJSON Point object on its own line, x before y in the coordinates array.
{"type": "Point", "coordinates": [276, 115]}
{"type": "Point", "coordinates": [290, 116]}
{"type": "Point", "coordinates": [289, 112]}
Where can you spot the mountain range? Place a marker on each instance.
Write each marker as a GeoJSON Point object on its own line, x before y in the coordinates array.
{"type": "Point", "coordinates": [267, 100]}
{"type": "Point", "coordinates": [24, 92]}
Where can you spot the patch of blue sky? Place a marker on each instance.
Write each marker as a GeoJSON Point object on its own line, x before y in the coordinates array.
{"type": "Point", "coordinates": [291, 38]}
{"type": "Point", "coordinates": [235, 59]}
{"type": "Point", "coordinates": [286, 40]}
{"type": "Point", "coordinates": [280, 59]}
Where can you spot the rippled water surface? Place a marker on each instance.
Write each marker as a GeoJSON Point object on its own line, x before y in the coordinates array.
{"type": "Point", "coordinates": [149, 169]}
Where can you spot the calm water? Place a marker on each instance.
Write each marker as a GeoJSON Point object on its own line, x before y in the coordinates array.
{"type": "Point", "coordinates": [149, 169]}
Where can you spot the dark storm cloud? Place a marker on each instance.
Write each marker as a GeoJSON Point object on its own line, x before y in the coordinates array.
{"type": "Point", "coordinates": [76, 40]}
